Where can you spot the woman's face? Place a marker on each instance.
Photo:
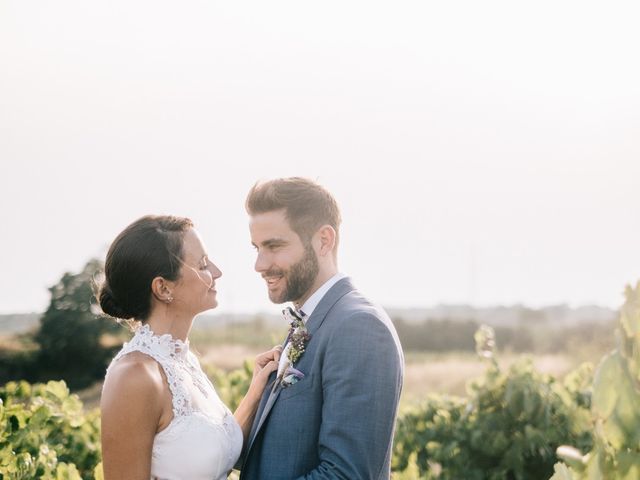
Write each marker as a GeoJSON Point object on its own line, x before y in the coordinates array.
{"type": "Point", "coordinates": [195, 289]}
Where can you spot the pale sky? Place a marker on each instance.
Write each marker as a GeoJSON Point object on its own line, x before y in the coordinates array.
{"type": "Point", "coordinates": [481, 152]}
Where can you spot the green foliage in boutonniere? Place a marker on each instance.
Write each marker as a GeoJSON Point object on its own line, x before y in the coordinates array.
{"type": "Point", "coordinates": [298, 337]}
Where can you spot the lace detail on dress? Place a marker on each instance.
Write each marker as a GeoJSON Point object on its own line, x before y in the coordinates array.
{"type": "Point", "coordinates": [170, 354]}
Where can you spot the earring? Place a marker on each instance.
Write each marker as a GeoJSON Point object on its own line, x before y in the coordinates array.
{"type": "Point", "coordinates": [169, 299]}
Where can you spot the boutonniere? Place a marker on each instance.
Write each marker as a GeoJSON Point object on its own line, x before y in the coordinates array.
{"type": "Point", "coordinates": [291, 376]}
{"type": "Point", "coordinates": [298, 338]}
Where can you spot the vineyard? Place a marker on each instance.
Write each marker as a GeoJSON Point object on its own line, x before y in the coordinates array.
{"type": "Point", "coordinates": [44, 433]}
{"type": "Point", "coordinates": [514, 423]}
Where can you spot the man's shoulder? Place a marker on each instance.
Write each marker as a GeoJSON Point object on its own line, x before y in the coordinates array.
{"type": "Point", "coordinates": [356, 303]}
{"type": "Point", "coordinates": [357, 311]}
{"type": "Point", "coordinates": [357, 320]}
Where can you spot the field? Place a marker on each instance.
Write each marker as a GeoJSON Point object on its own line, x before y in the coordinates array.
{"type": "Point", "coordinates": [509, 425]}
{"type": "Point", "coordinates": [226, 348]}
{"type": "Point", "coordinates": [433, 381]}
{"type": "Point", "coordinates": [425, 373]}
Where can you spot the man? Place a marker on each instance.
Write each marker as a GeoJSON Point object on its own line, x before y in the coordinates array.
{"type": "Point", "coordinates": [329, 411]}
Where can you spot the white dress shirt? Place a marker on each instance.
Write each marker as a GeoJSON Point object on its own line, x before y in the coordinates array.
{"type": "Point", "coordinates": [308, 308]}
{"type": "Point", "coordinates": [313, 301]}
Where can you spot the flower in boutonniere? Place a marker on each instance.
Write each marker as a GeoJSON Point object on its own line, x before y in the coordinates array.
{"type": "Point", "coordinates": [298, 336]}
{"type": "Point", "coordinates": [297, 341]}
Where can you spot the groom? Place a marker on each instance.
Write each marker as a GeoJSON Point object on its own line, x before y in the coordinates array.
{"type": "Point", "coordinates": [329, 411]}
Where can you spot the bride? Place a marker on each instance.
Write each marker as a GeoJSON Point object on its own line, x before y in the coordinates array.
{"type": "Point", "coordinates": [161, 416]}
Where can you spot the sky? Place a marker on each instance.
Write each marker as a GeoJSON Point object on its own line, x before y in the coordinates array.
{"type": "Point", "coordinates": [483, 153]}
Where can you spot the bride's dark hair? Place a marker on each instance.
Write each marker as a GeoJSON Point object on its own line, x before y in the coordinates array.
{"type": "Point", "coordinates": [150, 247]}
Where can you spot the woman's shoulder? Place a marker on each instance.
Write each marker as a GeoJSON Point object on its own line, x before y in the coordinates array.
{"type": "Point", "coordinates": [133, 405]}
{"type": "Point", "coordinates": [136, 376]}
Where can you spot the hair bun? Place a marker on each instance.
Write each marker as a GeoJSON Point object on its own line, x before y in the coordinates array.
{"type": "Point", "coordinates": [109, 305]}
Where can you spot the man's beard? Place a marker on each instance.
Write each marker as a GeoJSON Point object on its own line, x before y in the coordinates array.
{"type": "Point", "coordinates": [299, 277]}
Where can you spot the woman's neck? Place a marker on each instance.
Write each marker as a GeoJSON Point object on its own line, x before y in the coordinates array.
{"type": "Point", "coordinates": [163, 322]}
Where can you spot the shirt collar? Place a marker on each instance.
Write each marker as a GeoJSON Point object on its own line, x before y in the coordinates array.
{"type": "Point", "coordinates": [313, 301]}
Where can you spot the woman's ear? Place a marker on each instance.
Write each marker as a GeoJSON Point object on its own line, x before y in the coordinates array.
{"type": "Point", "coordinates": [162, 289]}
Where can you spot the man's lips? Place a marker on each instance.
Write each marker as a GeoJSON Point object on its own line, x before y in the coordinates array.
{"type": "Point", "coordinates": [272, 279]}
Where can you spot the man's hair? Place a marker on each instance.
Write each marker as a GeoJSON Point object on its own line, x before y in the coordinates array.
{"type": "Point", "coordinates": [307, 205]}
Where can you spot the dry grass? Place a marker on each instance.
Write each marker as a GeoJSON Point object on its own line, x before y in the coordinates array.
{"type": "Point", "coordinates": [16, 343]}
{"type": "Point", "coordinates": [91, 396]}
{"type": "Point", "coordinates": [450, 373]}
{"type": "Point", "coordinates": [425, 373]}
{"type": "Point", "coordinates": [227, 357]}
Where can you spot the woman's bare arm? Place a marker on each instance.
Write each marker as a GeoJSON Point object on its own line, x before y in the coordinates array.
{"type": "Point", "coordinates": [132, 406]}
{"type": "Point", "coordinates": [266, 363]}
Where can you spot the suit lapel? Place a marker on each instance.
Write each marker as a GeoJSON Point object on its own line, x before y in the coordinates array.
{"type": "Point", "coordinates": [265, 407]}
{"type": "Point", "coordinates": [271, 399]}
{"type": "Point", "coordinates": [258, 419]}
{"type": "Point", "coordinates": [335, 293]}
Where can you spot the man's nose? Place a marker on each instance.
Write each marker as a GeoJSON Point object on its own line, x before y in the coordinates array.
{"type": "Point", "coordinates": [262, 263]}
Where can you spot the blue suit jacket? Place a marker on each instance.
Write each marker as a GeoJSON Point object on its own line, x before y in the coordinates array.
{"type": "Point", "coordinates": [338, 421]}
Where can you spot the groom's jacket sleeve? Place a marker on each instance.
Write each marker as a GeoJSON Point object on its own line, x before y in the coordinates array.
{"type": "Point", "coordinates": [361, 383]}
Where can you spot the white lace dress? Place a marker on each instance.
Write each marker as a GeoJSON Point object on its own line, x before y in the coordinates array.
{"type": "Point", "coordinates": [203, 440]}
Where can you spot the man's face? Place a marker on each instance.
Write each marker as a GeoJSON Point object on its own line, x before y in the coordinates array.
{"type": "Point", "coordinates": [289, 267]}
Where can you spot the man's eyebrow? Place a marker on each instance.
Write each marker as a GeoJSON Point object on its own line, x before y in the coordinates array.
{"type": "Point", "coordinates": [272, 242]}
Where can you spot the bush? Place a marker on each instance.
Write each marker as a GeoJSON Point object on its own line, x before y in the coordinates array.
{"type": "Point", "coordinates": [45, 434]}
{"type": "Point", "coordinates": [508, 428]}
{"type": "Point", "coordinates": [615, 409]}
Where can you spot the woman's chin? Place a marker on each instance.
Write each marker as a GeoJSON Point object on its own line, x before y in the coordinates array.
{"type": "Point", "coordinates": [206, 308]}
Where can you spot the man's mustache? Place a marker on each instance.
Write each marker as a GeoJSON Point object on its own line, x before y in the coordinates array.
{"type": "Point", "coordinates": [273, 273]}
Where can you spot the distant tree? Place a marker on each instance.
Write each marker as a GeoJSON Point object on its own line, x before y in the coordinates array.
{"type": "Point", "coordinates": [71, 331]}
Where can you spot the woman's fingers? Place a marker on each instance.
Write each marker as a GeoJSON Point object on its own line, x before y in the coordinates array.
{"type": "Point", "coordinates": [277, 351]}
{"type": "Point", "coordinates": [272, 366]}
{"type": "Point", "coordinates": [270, 355]}
{"type": "Point", "coordinates": [261, 377]}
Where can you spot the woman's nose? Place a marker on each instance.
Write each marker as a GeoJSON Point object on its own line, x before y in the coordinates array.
{"type": "Point", "coordinates": [215, 271]}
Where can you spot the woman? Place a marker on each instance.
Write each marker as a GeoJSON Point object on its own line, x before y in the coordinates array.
{"type": "Point", "coordinates": [161, 417]}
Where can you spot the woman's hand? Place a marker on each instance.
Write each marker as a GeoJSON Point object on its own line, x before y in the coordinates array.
{"type": "Point", "coordinates": [265, 363]}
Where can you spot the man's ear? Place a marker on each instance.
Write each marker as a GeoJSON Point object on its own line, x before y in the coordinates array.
{"type": "Point", "coordinates": [162, 289]}
{"type": "Point", "coordinates": [326, 238]}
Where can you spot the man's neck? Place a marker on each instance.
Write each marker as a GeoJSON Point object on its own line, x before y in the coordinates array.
{"type": "Point", "coordinates": [320, 280]}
